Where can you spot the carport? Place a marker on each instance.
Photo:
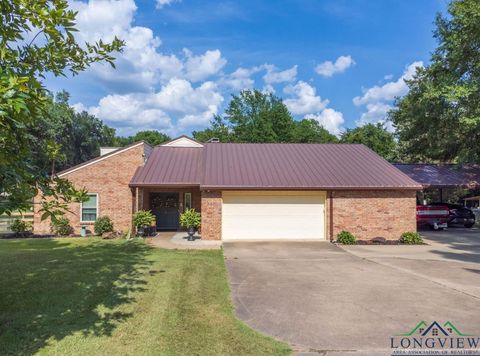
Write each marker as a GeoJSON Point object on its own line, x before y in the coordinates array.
{"type": "Point", "coordinates": [444, 182]}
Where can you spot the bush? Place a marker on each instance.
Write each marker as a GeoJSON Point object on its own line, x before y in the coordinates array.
{"type": "Point", "coordinates": [19, 226]}
{"type": "Point", "coordinates": [103, 224]}
{"type": "Point", "coordinates": [190, 218]}
{"type": "Point", "coordinates": [411, 238]}
{"type": "Point", "coordinates": [61, 226]}
{"type": "Point", "coordinates": [143, 218]}
{"type": "Point", "coordinates": [346, 238]}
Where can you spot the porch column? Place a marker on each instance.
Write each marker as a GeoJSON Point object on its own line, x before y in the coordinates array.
{"type": "Point", "coordinates": [140, 199]}
{"type": "Point", "coordinates": [212, 215]}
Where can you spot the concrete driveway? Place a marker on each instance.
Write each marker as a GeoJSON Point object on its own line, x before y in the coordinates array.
{"type": "Point", "coordinates": [331, 300]}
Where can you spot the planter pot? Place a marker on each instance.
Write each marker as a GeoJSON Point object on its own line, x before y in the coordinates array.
{"type": "Point", "coordinates": [141, 231]}
{"type": "Point", "coordinates": [191, 232]}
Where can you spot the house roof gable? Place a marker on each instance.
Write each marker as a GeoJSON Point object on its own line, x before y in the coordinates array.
{"type": "Point", "coordinates": [101, 158]}
{"type": "Point", "coordinates": [182, 141]}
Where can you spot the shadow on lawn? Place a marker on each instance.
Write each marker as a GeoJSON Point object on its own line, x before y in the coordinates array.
{"type": "Point", "coordinates": [51, 289]}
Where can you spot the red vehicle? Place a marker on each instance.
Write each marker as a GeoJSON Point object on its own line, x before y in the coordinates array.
{"type": "Point", "coordinates": [434, 216]}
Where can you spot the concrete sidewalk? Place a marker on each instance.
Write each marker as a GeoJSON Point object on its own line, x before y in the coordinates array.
{"type": "Point", "coordinates": [177, 241]}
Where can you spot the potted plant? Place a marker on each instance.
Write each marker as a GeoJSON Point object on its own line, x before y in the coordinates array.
{"type": "Point", "coordinates": [143, 219]}
{"type": "Point", "coordinates": [191, 220]}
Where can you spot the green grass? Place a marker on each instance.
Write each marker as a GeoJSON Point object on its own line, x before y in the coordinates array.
{"type": "Point", "coordinates": [89, 296]}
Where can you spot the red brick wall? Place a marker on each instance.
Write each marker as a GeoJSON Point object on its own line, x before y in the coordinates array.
{"type": "Point", "coordinates": [212, 215]}
{"type": "Point", "coordinates": [369, 214]}
{"type": "Point", "coordinates": [109, 178]}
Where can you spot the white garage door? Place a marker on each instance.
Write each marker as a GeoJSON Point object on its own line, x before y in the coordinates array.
{"type": "Point", "coordinates": [273, 215]}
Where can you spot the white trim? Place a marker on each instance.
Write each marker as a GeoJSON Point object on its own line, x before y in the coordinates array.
{"type": "Point", "coordinates": [100, 158]}
{"type": "Point", "coordinates": [185, 200]}
{"type": "Point", "coordinates": [183, 141]}
{"type": "Point", "coordinates": [81, 211]}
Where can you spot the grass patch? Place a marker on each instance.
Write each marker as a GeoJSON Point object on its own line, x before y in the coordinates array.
{"type": "Point", "coordinates": [89, 296]}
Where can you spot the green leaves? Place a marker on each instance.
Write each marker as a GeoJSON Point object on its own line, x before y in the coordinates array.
{"type": "Point", "coordinates": [376, 137]}
{"type": "Point", "coordinates": [439, 119]}
{"type": "Point", "coordinates": [253, 116]}
{"type": "Point", "coordinates": [37, 38]}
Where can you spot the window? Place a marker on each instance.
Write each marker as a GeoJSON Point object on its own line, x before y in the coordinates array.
{"type": "Point", "coordinates": [434, 332]}
{"type": "Point", "coordinates": [89, 209]}
{"type": "Point", "coordinates": [188, 201]}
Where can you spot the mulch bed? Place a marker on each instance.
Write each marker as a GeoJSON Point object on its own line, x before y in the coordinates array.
{"type": "Point", "coordinates": [372, 242]}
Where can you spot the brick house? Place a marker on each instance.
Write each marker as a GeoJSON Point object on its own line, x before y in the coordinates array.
{"type": "Point", "coordinates": [248, 191]}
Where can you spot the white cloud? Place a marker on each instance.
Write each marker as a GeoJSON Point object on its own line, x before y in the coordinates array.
{"type": "Point", "coordinates": [376, 112]}
{"type": "Point", "coordinates": [176, 100]}
{"type": "Point", "coordinates": [240, 79]}
{"type": "Point", "coordinates": [329, 68]}
{"type": "Point", "coordinates": [303, 99]}
{"type": "Point", "coordinates": [390, 90]}
{"type": "Point", "coordinates": [268, 89]}
{"type": "Point", "coordinates": [142, 65]}
{"type": "Point", "coordinates": [130, 110]}
{"type": "Point", "coordinates": [178, 95]}
{"type": "Point", "coordinates": [330, 119]}
{"type": "Point", "coordinates": [162, 3]}
{"type": "Point", "coordinates": [273, 75]}
{"type": "Point", "coordinates": [203, 66]}
{"type": "Point", "coordinates": [377, 99]}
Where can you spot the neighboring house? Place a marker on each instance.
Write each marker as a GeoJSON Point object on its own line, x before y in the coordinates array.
{"type": "Point", "coordinates": [249, 191]}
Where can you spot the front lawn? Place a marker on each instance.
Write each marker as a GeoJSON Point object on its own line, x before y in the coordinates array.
{"type": "Point", "coordinates": [89, 296]}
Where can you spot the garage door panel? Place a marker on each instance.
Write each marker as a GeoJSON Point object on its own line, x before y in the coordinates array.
{"type": "Point", "coordinates": [273, 216]}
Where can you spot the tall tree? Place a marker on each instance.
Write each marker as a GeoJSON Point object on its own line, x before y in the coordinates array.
{"type": "Point", "coordinates": [36, 39]}
{"type": "Point", "coordinates": [77, 135]}
{"type": "Point", "coordinates": [251, 116]}
{"type": "Point", "coordinates": [376, 137]}
{"type": "Point", "coordinates": [152, 137]}
{"type": "Point", "coordinates": [218, 129]}
{"type": "Point", "coordinates": [259, 117]}
{"type": "Point", "coordinates": [310, 131]}
{"type": "Point", "coordinates": [439, 119]}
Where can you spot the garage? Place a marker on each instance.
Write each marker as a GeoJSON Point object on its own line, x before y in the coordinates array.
{"type": "Point", "coordinates": [273, 215]}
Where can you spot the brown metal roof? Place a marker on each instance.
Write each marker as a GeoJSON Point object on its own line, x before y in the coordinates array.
{"type": "Point", "coordinates": [169, 165]}
{"type": "Point", "coordinates": [299, 166]}
{"type": "Point", "coordinates": [271, 166]}
{"type": "Point", "coordinates": [444, 175]}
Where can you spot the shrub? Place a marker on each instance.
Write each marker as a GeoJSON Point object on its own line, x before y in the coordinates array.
{"type": "Point", "coordinates": [346, 238]}
{"type": "Point", "coordinates": [61, 226]}
{"type": "Point", "coordinates": [143, 218]}
{"type": "Point", "coordinates": [19, 226]}
{"type": "Point", "coordinates": [411, 238]}
{"type": "Point", "coordinates": [190, 218]}
{"type": "Point", "coordinates": [103, 224]}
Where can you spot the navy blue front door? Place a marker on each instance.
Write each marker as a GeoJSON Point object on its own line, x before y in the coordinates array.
{"type": "Point", "coordinates": [165, 208]}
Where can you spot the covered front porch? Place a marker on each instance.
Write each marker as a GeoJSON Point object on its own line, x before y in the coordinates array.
{"type": "Point", "coordinates": [167, 203]}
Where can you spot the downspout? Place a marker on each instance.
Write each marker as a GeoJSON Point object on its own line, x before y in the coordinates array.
{"type": "Point", "coordinates": [330, 215]}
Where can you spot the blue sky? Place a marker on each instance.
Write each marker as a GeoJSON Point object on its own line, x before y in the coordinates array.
{"type": "Point", "coordinates": [340, 62]}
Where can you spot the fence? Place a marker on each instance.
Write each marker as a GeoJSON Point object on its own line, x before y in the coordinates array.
{"type": "Point", "coordinates": [5, 221]}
